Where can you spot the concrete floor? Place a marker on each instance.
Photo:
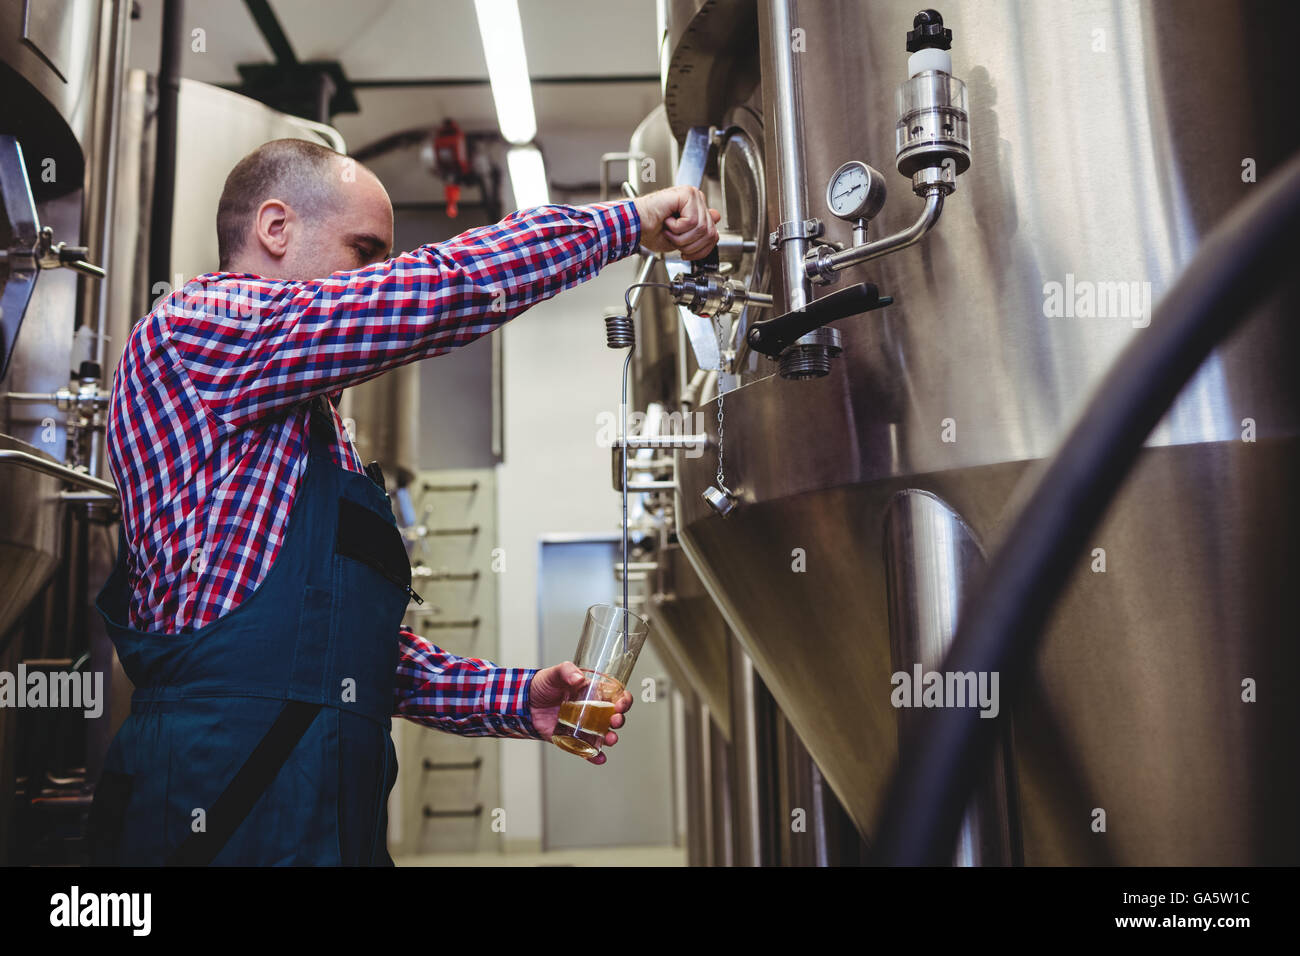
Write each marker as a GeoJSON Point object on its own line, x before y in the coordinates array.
{"type": "Point", "coordinates": [595, 856]}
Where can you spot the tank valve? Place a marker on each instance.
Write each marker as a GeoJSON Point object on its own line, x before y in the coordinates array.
{"type": "Point", "coordinates": [933, 148]}
{"type": "Point", "coordinates": [705, 292]}
{"type": "Point", "coordinates": [933, 132]}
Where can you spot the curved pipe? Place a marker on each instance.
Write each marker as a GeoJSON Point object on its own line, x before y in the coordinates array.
{"type": "Point", "coordinates": [1237, 265]}
{"type": "Point", "coordinates": [827, 261]}
{"type": "Point", "coordinates": [691, 396]}
{"type": "Point", "coordinates": [24, 460]}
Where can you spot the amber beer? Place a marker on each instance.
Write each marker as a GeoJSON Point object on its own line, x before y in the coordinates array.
{"type": "Point", "coordinates": [607, 651]}
{"type": "Point", "coordinates": [583, 723]}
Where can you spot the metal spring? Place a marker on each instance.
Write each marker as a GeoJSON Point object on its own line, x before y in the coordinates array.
{"type": "Point", "coordinates": [620, 331]}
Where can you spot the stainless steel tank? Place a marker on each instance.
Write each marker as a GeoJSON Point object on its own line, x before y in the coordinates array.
{"type": "Point", "coordinates": [1108, 137]}
{"type": "Point", "coordinates": [57, 64]}
{"type": "Point", "coordinates": [47, 67]}
{"type": "Point", "coordinates": [745, 768]}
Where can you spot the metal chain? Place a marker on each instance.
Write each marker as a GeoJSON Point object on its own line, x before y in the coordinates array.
{"type": "Point", "coordinates": [717, 327]}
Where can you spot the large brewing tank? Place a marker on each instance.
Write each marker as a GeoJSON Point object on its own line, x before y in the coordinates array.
{"type": "Point", "coordinates": [688, 630]}
{"type": "Point", "coordinates": [686, 627]}
{"type": "Point", "coordinates": [58, 63]}
{"type": "Point", "coordinates": [47, 67]}
{"type": "Point", "coordinates": [745, 769]}
{"type": "Point", "coordinates": [1108, 137]}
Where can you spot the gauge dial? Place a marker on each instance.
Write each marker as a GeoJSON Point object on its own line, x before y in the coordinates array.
{"type": "Point", "coordinates": [856, 191]}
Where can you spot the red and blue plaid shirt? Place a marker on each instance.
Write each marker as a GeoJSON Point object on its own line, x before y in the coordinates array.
{"type": "Point", "coordinates": [208, 431]}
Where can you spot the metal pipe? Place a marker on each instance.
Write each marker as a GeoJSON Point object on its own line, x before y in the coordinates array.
{"type": "Point", "coordinates": [272, 32]}
{"type": "Point", "coordinates": [663, 441]}
{"type": "Point", "coordinates": [454, 765]}
{"type": "Point", "coordinates": [636, 566]}
{"type": "Point", "coordinates": [101, 176]}
{"type": "Point", "coordinates": [605, 160]}
{"type": "Point", "coordinates": [791, 178]}
{"type": "Point", "coordinates": [745, 748]}
{"type": "Point", "coordinates": [457, 625]}
{"type": "Point", "coordinates": [691, 396]}
{"type": "Point", "coordinates": [433, 814]}
{"type": "Point", "coordinates": [93, 497]}
{"type": "Point", "coordinates": [932, 562]}
{"type": "Point", "coordinates": [164, 187]}
{"type": "Point", "coordinates": [649, 464]}
{"type": "Point", "coordinates": [643, 275]}
{"type": "Point", "coordinates": [817, 824]}
{"type": "Point", "coordinates": [101, 183]}
{"type": "Point", "coordinates": [666, 441]}
{"type": "Point", "coordinates": [432, 575]}
{"type": "Point", "coordinates": [24, 460]}
{"type": "Point", "coordinates": [826, 261]}
{"type": "Point", "coordinates": [470, 486]}
{"type": "Point", "coordinates": [45, 398]}
{"type": "Point", "coordinates": [639, 486]}
{"type": "Point", "coordinates": [739, 337]}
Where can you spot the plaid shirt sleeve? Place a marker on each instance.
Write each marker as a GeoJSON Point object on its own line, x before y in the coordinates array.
{"type": "Point", "coordinates": [254, 346]}
{"type": "Point", "coordinates": [462, 695]}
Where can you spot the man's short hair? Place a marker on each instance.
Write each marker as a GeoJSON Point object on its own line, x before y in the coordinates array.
{"type": "Point", "coordinates": [303, 174]}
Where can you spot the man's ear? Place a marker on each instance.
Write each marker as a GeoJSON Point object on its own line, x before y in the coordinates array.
{"type": "Point", "coordinates": [272, 226]}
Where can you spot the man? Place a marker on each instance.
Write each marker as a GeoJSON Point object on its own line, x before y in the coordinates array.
{"type": "Point", "coordinates": [261, 580]}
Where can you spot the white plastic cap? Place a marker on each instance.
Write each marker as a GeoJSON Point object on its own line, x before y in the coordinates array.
{"type": "Point", "coordinates": [929, 59]}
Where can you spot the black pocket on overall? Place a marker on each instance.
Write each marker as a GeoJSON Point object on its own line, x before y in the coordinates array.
{"type": "Point", "coordinates": [366, 537]}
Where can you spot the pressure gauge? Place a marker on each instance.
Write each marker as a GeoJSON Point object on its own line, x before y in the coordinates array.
{"type": "Point", "coordinates": [856, 191]}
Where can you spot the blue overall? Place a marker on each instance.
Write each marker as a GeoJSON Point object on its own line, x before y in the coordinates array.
{"type": "Point", "coordinates": [322, 629]}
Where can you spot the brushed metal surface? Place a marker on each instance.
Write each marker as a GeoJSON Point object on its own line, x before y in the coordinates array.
{"type": "Point", "coordinates": [933, 563]}
{"type": "Point", "coordinates": [40, 363]}
{"type": "Point", "coordinates": [713, 61]}
{"type": "Point", "coordinates": [47, 65]}
{"type": "Point", "coordinates": [689, 630]}
{"type": "Point", "coordinates": [1099, 156]}
{"type": "Point", "coordinates": [29, 533]}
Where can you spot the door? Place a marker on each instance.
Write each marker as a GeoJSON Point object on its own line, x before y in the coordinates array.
{"type": "Point", "coordinates": [629, 800]}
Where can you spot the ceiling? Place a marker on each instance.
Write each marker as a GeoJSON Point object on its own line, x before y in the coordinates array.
{"type": "Point", "coordinates": [577, 52]}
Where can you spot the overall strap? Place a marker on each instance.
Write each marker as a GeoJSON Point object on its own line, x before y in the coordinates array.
{"type": "Point", "coordinates": [235, 802]}
{"type": "Point", "coordinates": [273, 750]}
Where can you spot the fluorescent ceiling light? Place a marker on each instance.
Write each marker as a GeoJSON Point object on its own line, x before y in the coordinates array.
{"type": "Point", "coordinates": [503, 47]}
{"type": "Point", "coordinates": [527, 177]}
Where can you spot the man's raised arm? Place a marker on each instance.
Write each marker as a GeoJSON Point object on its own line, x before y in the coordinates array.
{"type": "Point", "coordinates": [252, 346]}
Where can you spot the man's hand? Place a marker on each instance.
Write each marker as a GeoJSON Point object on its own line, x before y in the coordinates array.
{"type": "Point", "coordinates": [678, 218]}
{"type": "Point", "coordinates": [551, 687]}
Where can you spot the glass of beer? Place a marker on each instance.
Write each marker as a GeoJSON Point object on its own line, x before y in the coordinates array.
{"type": "Point", "coordinates": [607, 651]}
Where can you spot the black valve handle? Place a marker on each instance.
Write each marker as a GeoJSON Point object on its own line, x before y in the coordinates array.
{"type": "Point", "coordinates": [708, 264]}
{"type": "Point", "coordinates": [773, 336]}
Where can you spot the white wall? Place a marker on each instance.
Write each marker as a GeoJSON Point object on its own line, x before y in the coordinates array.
{"type": "Point", "coordinates": [559, 377]}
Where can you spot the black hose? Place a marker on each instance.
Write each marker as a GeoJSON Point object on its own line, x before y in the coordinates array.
{"type": "Point", "coordinates": [164, 181]}
{"type": "Point", "coordinates": [1237, 265]}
